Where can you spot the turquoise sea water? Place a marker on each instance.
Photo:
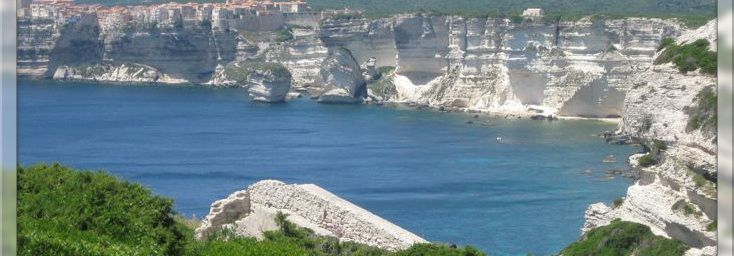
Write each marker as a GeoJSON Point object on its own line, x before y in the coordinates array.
{"type": "Point", "coordinates": [429, 172]}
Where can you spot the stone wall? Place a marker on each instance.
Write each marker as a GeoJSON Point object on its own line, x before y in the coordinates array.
{"type": "Point", "coordinates": [250, 212]}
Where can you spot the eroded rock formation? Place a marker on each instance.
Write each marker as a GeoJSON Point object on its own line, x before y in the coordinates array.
{"type": "Point", "coordinates": [572, 68]}
{"type": "Point", "coordinates": [341, 78]}
{"type": "Point", "coordinates": [269, 84]}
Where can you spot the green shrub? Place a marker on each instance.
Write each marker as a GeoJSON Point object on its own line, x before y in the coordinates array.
{"type": "Point", "coordinates": [689, 57]}
{"type": "Point", "coordinates": [699, 180]}
{"type": "Point", "coordinates": [384, 70]}
{"type": "Point", "coordinates": [703, 115]}
{"type": "Point", "coordinates": [659, 145]}
{"type": "Point", "coordinates": [618, 202]}
{"type": "Point", "coordinates": [66, 212]}
{"type": "Point", "coordinates": [283, 35]}
{"type": "Point", "coordinates": [703, 183]}
{"type": "Point", "coordinates": [686, 207]}
{"type": "Point", "coordinates": [238, 246]}
{"type": "Point", "coordinates": [383, 86]}
{"type": "Point", "coordinates": [711, 226]}
{"type": "Point", "coordinates": [665, 43]}
{"type": "Point", "coordinates": [624, 238]}
{"type": "Point", "coordinates": [647, 160]}
{"type": "Point", "coordinates": [438, 250]}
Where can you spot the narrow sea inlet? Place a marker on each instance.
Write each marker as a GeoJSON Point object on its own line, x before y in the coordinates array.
{"type": "Point", "coordinates": [444, 176]}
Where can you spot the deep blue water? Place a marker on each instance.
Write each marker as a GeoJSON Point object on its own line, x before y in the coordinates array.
{"type": "Point", "coordinates": [429, 172]}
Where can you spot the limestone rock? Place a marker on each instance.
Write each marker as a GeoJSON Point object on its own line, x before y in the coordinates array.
{"type": "Point", "coordinates": [342, 78]}
{"type": "Point", "coordinates": [269, 83]}
{"type": "Point", "coordinates": [219, 79]}
{"type": "Point", "coordinates": [369, 72]}
{"type": "Point", "coordinates": [250, 212]}
{"type": "Point", "coordinates": [676, 197]}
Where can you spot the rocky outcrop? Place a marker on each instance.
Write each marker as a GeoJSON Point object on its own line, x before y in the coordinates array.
{"type": "Point", "coordinates": [369, 70]}
{"type": "Point", "coordinates": [341, 77]}
{"type": "Point", "coordinates": [107, 72]}
{"type": "Point", "coordinates": [252, 211]}
{"type": "Point", "coordinates": [265, 81]}
{"type": "Point", "coordinates": [675, 195]}
{"type": "Point", "coordinates": [269, 83]}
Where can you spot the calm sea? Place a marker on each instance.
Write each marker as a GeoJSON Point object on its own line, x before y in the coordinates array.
{"type": "Point", "coordinates": [432, 173]}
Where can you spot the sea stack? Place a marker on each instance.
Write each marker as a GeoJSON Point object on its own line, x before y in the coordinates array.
{"type": "Point", "coordinates": [342, 78]}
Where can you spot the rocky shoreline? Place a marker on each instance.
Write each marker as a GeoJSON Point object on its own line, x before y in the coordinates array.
{"type": "Point", "coordinates": [532, 68]}
{"type": "Point", "coordinates": [675, 194]}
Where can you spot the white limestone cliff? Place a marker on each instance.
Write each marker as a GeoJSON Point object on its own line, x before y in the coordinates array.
{"type": "Point", "coordinates": [676, 197]}
{"type": "Point", "coordinates": [570, 68]}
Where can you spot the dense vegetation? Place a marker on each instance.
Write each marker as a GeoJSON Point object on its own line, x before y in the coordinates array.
{"type": "Point", "coordinates": [688, 57]}
{"type": "Point", "coordinates": [647, 160]}
{"type": "Point", "coordinates": [663, 8]}
{"type": "Point", "coordinates": [624, 238]}
{"type": "Point", "coordinates": [302, 241]}
{"type": "Point", "coordinates": [66, 212]}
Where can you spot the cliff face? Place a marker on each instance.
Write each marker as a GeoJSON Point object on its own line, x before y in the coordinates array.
{"type": "Point", "coordinates": [303, 56]}
{"type": "Point", "coordinates": [578, 68]}
{"type": "Point", "coordinates": [184, 55]}
{"type": "Point", "coordinates": [676, 196]}
{"type": "Point", "coordinates": [574, 68]}
{"type": "Point", "coordinates": [191, 55]}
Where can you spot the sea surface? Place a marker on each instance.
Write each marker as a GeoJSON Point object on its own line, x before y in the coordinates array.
{"type": "Point", "coordinates": [443, 176]}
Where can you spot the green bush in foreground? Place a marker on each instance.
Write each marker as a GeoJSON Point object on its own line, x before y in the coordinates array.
{"type": "Point", "coordinates": [624, 238]}
{"type": "Point", "coordinates": [66, 212]}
